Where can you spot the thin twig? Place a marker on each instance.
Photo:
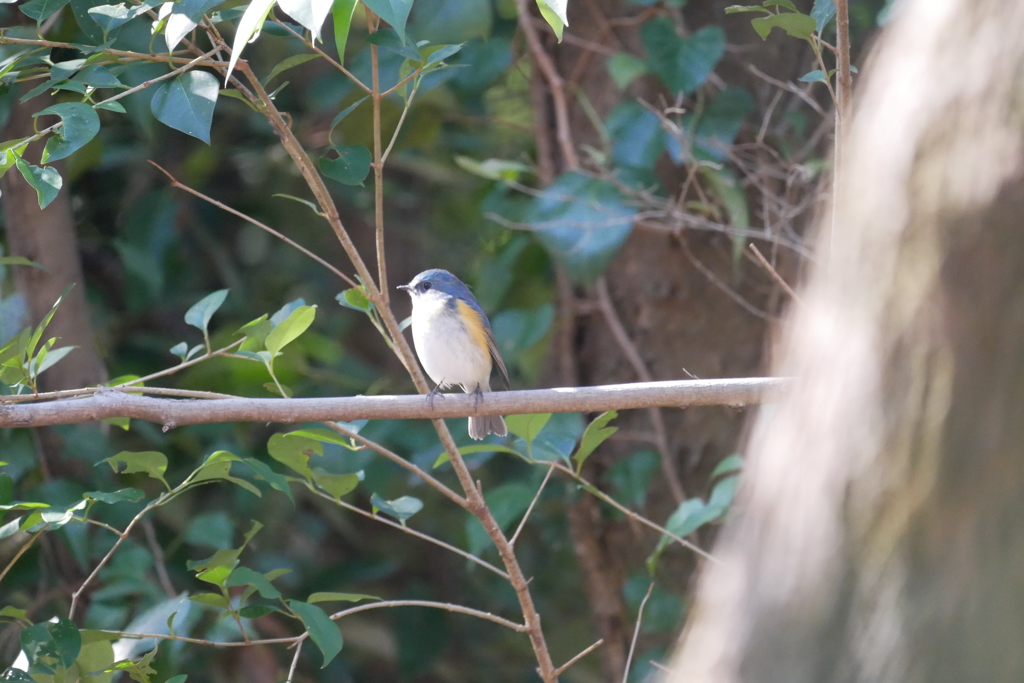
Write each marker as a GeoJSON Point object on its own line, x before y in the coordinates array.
{"type": "Point", "coordinates": [398, 126]}
{"type": "Point", "coordinates": [295, 662]}
{"type": "Point", "coordinates": [400, 461]}
{"type": "Point", "coordinates": [447, 606]}
{"type": "Point", "coordinates": [636, 632]}
{"type": "Point", "coordinates": [618, 330]}
{"type": "Point", "coordinates": [713, 279]}
{"type": "Point", "coordinates": [775, 274]}
{"type": "Point", "coordinates": [21, 551]}
{"type": "Point", "coordinates": [578, 657]}
{"type": "Point", "coordinates": [601, 495]}
{"type": "Point", "coordinates": [330, 60]}
{"type": "Point", "coordinates": [542, 60]}
{"type": "Point", "coordinates": [158, 558]}
{"type": "Point", "coordinates": [378, 164]}
{"type": "Point", "coordinates": [110, 553]}
{"type": "Point", "coordinates": [412, 532]}
{"type": "Point", "coordinates": [176, 183]}
{"type": "Point", "coordinates": [522, 522]}
{"type": "Point", "coordinates": [145, 84]}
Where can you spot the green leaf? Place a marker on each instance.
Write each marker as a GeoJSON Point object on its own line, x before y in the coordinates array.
{"type": "Point", "coordinates": [822, 13]}
{"type": "Point", "coordinates": [52, 357]}
{"type": "Point", "coordinates": [439, 53]}
{"type": "Point", "coordinates": [795, 24]}
{"type": "Point", "coordinates": [243, 576]}
{"type": "Point", "coordinates": [788, 4]}
{"type": "Point", "coordinates": [354, 298]}
{"type": "Point", "coordinates": [401, 508]}
{"type": "Point", "coordinates": [342, 12]}
{"type": "Point", "coordinates": [341, 116]}
{"type": "Point", "coordinates": [202, 311]}
{"type": "Point", "coordinates": [492, 169]}
{"type": "Point", "coordinates": [81, 123]}
{"type": "Point", "coordinates": [284, 65]}
{"type": "Point", "coordinates": [336, 484]}
{"type": "Point", "coordinates": [816, 76]}
{"type": "Point", "coordinates": [733, 463]}
{"type": "Point", "coordinates": [19, 261]}
{"type": "Point", "coordinates": [180, 678]}
{"type": "Point", "coordinates": [558, 7]}
{"type": "Point", "coordinates": [59, 640]}
{"type": "Point", "coordinates": [290, 328]}
{"type": "Point", "coordinates": [294, 452]}
{"type": "Point", "coordinates": [727, 189]}
{"type": "Point", "coordinates": [121, 495]}
{"type": "Point", "coordinates": [180, 350]}
{"type": "Point", "coordinates": [682, 64]}
{"type": "Point", "coordinates": [737, 9]}
{"type": "Point", "coordinates": [46, 181]}
{"type": "Point", "coordinates": [250, 23]}
{"type": "Point", "coordinates": [552, 18]}
{"type": "Point", "coordinates": [328, 436]}
{"type": "Point", "coordinates": [624, 68]}
{"type": "Point", "coordinates": [15, 615]}
{"type": "Point", "coordinates": [109, 17]}
{"type": "Point", "coordinates": [186, 103]}
{"type": "Point", "coordinates": [324, 632]}
{"type": "Point", "coordinates": [152, 463]}
{"type": "Point", "coordinates": [212, 599]}
{"type": "Point", "coordinates": [527, 427]}
{"type": "Point", "coordinates": [582, 222]}
{"type": "Point", "coordinates": [122, 422]}
{"type": "Point", "coordinates": [276, 481]}
{"type": "Point", "coordinates": [10, 152]}
{"type": "Point", "coordinates": [389, 40]}
{"type": "Point", "coordinates": [111, 106]}
{"type": "Point", "coordinates": [41, 9]}
{"type": "Point", "coordinates": [340, 597]}
{"type": "Point", "coordinates": [255, 612]}
{"type": "Point", "coordinates": [596, 434]}
{"type": "Point", "coordinates": [309, 13]}
{"type": "Point", "coordinates": [351, 166]}
{"type": "Point", "coordinates": [218, 466]}
{"type": "Point", "coordinates": [395, 12]}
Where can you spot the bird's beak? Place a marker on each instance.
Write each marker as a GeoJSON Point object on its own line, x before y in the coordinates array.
{"type": "Point", "coordinates": [407, 288]}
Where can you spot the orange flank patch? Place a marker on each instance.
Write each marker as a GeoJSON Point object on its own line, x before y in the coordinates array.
{"type": "Point", "coordinates": [474, 325]}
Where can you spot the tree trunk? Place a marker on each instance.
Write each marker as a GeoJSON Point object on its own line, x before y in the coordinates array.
{"type": "Point", "coordinates": [877, 535]}
{"type": "Point", "coordinates": [47, 236]}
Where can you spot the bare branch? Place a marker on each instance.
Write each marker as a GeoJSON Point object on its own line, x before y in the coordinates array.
{"type": "Point", "coordinates": [174, 412]}
{"type": "Point", "coordinates": [581, 655]}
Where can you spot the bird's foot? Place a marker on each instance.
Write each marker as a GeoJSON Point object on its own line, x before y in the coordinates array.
{"type": "Point", "coordinates": [432, 394]}
{"type": "Point", "coordinates": [478, 395]}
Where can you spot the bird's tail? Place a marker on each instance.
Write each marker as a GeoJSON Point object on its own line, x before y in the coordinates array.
{"type": "Point", "coordinates": [479, 427]}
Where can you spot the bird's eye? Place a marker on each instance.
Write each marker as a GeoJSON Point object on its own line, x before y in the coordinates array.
{"type": "Point", "coordinates": [424, 286]}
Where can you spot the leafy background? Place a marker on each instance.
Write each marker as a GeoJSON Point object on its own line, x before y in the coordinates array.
{"type": "Point", "coordinates": [465, 190]}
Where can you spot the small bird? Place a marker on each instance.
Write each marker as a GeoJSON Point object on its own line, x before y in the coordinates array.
{"type": "Point", "coordinates": [454, 341]}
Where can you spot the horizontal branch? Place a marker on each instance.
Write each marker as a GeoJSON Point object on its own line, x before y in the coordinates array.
{"type": "Point", "coordinates": [170, 413]}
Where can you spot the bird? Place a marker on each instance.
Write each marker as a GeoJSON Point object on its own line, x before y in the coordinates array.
{"type": "Point", "coordinates": [454, 342]}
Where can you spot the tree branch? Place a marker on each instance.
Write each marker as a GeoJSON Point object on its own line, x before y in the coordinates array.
{"type": "Point", "coordinates": [177, 412]}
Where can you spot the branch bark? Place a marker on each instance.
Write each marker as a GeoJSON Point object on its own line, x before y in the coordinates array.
{"type": "Point", "coordinates": [108, 402]}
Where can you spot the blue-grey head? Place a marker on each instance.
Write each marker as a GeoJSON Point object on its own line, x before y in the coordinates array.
{"type": "Point", "coordinates": [436, 283]}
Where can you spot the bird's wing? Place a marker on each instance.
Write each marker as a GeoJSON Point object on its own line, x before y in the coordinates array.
{"type": "Point", "coordinates": [492, 346]}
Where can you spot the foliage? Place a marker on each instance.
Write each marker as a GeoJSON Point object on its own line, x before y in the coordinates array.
{"type": "Point", "coordinates": [232, 532]}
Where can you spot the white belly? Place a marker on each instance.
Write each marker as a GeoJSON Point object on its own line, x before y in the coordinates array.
{"type": "Point", "coordinates": [447, 351]}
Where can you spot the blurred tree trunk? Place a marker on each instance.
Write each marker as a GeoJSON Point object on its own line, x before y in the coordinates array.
{"type": "Point", "coordinates": [878, 535]}
{"type": "Point", "coordinates": [47, 236]}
